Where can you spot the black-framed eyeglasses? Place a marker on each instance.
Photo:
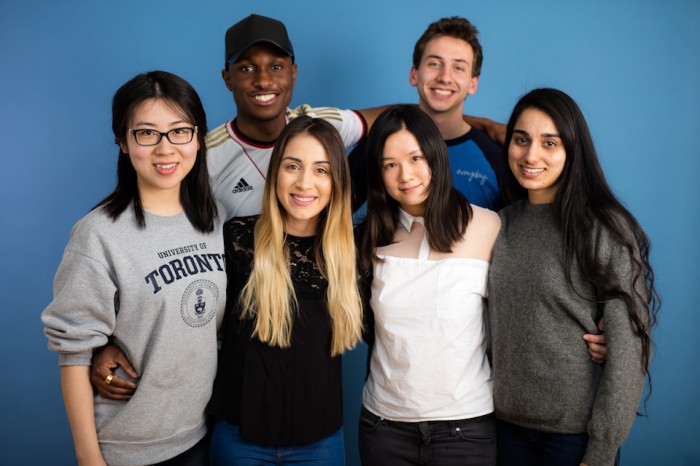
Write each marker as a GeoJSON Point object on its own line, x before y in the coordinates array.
{"type": "Point", "coordinates": [152, 137]}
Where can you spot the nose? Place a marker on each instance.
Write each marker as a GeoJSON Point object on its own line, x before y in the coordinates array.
{"type": "Point", "coordinates": [531, 154]}
{"type": "Point", "coordinates": [304, 179]}
{"type": "Point", "coordinates": [445, 74]}
{"type": "Point", "coordinates": [405, 173]}
{"type": "Point", "coordinates": [164, 146]}
{"type": "Point", "coordinates": [263, 78]}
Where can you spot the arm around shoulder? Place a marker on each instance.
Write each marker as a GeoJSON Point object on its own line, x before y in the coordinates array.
{"type": "Point", "coordinates": [493, 129]}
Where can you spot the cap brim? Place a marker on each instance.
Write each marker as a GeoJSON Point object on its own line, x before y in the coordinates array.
{"type": "Point", "coordinates": [237, 54]}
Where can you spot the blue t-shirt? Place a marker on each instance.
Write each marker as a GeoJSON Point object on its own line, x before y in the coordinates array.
{"type": "Point", "coordinates": [478, 166]}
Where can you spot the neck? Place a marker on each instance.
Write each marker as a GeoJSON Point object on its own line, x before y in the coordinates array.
{"type": "Point", "coordinates": [301, 228]}
{"type": "Point", "coordinates": [538, 197]}
{"type": "Point", "coordinates": [414, 210]}
{"type": "Point", "coordinates": [264, 131]}
{"type": "Point", "coordinates": [451, 124]}
{"type": "Point", "coordinates": [165, 203]}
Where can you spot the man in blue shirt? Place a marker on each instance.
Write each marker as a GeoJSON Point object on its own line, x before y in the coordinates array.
{"type": "Point", "coordinates": [446, 68]}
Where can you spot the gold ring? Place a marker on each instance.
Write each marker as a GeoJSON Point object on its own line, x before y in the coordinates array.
{"type": "Point", "coordinates": [108, 379]}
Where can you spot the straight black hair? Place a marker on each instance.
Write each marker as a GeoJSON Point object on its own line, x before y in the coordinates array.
{"type": "Point", "coordinates": [195, 190]}
{"type": "Point", "coordinates": [447, 211]}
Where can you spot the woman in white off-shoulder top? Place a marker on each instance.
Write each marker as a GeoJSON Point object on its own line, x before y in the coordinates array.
{"type": "Point", "coordinates": [425, 252]}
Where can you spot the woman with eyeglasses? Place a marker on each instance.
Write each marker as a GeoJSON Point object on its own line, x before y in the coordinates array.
{"type": "Point", "coordinates": [145, 270]}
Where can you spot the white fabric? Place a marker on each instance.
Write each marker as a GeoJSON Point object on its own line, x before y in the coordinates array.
{"type": "Point", "coordinates": [238, 166]}
{"type": "Point", "coordinates": [429, 358]}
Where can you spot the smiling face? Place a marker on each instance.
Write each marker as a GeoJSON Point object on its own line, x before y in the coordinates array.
{"type": "Point", "coordinates": [304, 184]}
{"type": "Point", "coordinates": [444, 77]}
{"type": "Point", "coordinates": [160, 168]}
{"type": "Point", "coordinates": [536, 155]}
{"type": "Point", "coordinates": [405, 172]}
{"type": "Point", "coordinates": [262, 81]}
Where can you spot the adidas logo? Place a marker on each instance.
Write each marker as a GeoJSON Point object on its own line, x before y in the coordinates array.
{"type": "Point", "coordinates": [242, 187]}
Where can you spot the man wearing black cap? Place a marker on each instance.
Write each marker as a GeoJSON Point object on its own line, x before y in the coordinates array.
{"type": "Point", "coordinates": [260, 72]}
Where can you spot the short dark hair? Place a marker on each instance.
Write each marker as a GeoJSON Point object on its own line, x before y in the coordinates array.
{"type": "Point", "coordinates": [457, 27]}
{"type": "Point", "coordinates": [195, 190]}
{"type": "Point", "coordinates": [447, 211]}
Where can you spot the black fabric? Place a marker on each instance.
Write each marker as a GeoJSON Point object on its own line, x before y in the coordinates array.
{"type": "Point", "coordinates": [277, 396]}
{"type": "Point", "coordinates": [357, 160]}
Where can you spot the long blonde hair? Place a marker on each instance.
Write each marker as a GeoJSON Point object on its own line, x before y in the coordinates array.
{"type": "Point", "coordinates": [261, 299]}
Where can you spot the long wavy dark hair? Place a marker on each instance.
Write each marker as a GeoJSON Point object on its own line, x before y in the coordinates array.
{"type": "Point", "coordinates": [584, 201]}
{"type": "Point", "coordinates": [447, 211]}
{"type": "Point", "coordinates": [195, 190]}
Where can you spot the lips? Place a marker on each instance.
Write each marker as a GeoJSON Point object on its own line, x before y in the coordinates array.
{"type": "Point", "coordinates": [165, 168]}
{"type": "Point", "coordinates": [266, 98]}
{"type": "Point", "coordinates": [302, 200]}
{"type": "Point", "coordinates": [410, 189]}
{"type": "Point", "coordinates": [531, 172]}
{"type": "Point", "coordinates": [442, 92]}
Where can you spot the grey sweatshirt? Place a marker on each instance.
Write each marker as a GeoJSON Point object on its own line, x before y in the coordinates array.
{"type": "Point", "coordinates": [543, 376]}
{"type": "Point", "coordinates": [159, 292]}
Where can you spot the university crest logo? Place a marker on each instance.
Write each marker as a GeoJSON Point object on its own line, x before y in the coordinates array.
{"type": "Point", "coordinates": [199, 303]}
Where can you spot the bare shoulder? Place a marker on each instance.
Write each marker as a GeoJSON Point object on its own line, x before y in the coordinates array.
{"type": "Point", "coordinates": [485, 221]}
{"type": "Point", "coordinates": [481, 234]}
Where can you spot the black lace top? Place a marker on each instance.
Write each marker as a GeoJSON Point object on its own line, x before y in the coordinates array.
{"type": "Point", "coordinates": [278, 397]}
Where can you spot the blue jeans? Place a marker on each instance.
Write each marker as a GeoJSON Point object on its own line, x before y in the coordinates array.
{"type": "Point", "coordinates": [520, 446]}
{"type": "Point", "coordinates": [437, 443]}
{"type": "Point", "coordinates": [228, 448]}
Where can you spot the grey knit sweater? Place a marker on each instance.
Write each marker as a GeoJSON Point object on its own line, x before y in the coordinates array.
{"type": "Point", "coordinates": [543, 376]}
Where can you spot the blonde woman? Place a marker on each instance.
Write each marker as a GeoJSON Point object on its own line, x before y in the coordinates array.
{"type": "Point", "coordinates": [293, 308]}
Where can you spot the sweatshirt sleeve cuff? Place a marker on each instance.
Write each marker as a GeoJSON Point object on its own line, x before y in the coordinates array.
{"type": "Point", "coordinates": [600, 453]}
{"type": "Point", "coordinates": [75, 359]}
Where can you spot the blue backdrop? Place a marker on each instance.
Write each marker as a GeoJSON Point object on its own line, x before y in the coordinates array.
{"type": "Point", "coordinates": [632, 65]}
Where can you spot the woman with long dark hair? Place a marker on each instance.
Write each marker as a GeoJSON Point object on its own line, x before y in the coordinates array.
{"type": "Point", "coordinates": [568, 256]}
{"type": "Point", "coordinates": [145, 271]}
{"type": "Point", "coordinates": [425, 252]}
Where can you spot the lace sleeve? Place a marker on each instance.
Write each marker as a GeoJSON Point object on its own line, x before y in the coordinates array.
{"type": "Point", "coordinates": [238, 237]}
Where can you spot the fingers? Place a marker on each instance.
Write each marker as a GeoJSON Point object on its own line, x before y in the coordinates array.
{"type": "Point", "coordinates": [104, 362]}
{"type": "Point", "coordinates": [116, 394]}
{"type": "Point", "coordinates": [598, 353]}
{"type": "Point", "coordinates": [597, 349]}
{"type": "Point", "coordinates": [121, 360]}
{"type": "Point", "coordinates": [116, 389]}
{"type": "Point", "coordinates": [594, 339]}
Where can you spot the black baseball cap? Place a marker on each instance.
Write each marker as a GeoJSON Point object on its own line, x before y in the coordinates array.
{"type": "Point", "coordinates": [253, 29]}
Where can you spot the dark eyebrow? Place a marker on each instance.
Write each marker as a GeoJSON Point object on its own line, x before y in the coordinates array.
{"type": "Point", "coordinates": [298, 160]}
{"type": "Point", "coordinates": [148, 123]}
{"type": "Point", "coordinates": [460, 60]}
{"type": "Point", "coordinates": [416, 151]}
{"type": "Point", "coordinates": [544, 135]}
